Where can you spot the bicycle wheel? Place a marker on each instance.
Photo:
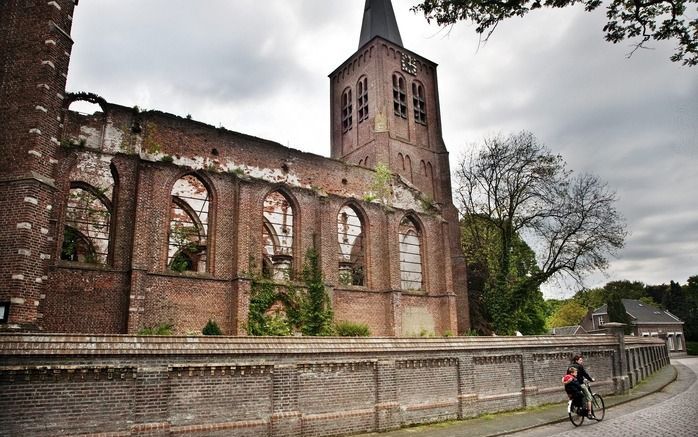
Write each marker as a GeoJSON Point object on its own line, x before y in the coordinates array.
{"type": "Point", "coordinates": [574, 414]}
{"type": "Point", "coordinates": [598, 407]}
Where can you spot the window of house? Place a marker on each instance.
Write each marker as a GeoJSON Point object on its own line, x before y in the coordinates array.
{"type": "Point", "coordinates": [351, 247]}
{"type": "Point", "coordinates": [188, 236]}
{"type": "Point", "coordinates": [346, 110]}
{"type": "Point", "coordinates": [410, 239]}
{"type": "Point", "coordinates": [87, 225]}
{"type": "Point", "coordinates": [670, 341]}
{"type": "Point", "coordinates": [277, 237]}
{"type": "Point", "coordinates": [419, 104]}
{"type": "Point", "coordinates": [399, 96]}
{"type": "Point", "coordinates": [679, 342]}
{"type": "Point", "coordinates": [362, 99]}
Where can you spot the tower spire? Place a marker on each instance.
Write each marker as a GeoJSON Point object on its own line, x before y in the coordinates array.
{"type": "Point", "coordinates": [379, 20]}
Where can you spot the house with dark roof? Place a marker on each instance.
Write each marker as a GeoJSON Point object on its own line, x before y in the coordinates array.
{"type": "Point", "coordinates": [646, 321]}
{"type": "Point", "coordinates": [569, 330]}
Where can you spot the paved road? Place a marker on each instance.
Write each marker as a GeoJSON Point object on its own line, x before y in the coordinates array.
{"type": "Point", "coordinates": [667, 413]}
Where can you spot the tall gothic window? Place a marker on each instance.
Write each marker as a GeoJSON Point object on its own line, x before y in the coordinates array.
{"type": "Point", "coordinates": [351, 247]}
{"type": "Point", "coordinates": [419, 104]}
{"type": "Point", "coordinates": [399, 96]}
{"type": "Point", "coordinates": [410, 238]}
{"type": "Point", "coordinates": [277, 237]}
{"type": "Point", "coordinates": [362, 99]}
{"type": "Point", "coordinates": [188, 236]}
{"type": "Point", "coordinates": [87, 224]}
{"type": "Point", "coordinates": [346, 110]}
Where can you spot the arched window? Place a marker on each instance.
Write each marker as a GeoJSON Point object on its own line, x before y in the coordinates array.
{"type": "Point", "coordinates": [346, 110]}
{"type": "Point", "coordinates": [419, 104]}
{"type": "Point", "coordinates": [350, 237]}
{"type": "Point", "coordinates": [410, 238]}
{"type": "Point", "coordinates": [188, 236]}
{"type": "Point", "coordinates": [87, 225]}
{"type": "Point", "coordinates": [399, 96]}
{"type": "Point", "coordinates": [362, 99]}
{"type": "Point", "coordinates": [277, 237]}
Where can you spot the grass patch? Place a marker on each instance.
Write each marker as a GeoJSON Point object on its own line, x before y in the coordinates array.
{"type": "Point", "coordinates": [692, 347]}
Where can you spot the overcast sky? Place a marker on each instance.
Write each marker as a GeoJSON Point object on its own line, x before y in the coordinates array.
{"type": "Point", "coordinates": [249, 65]}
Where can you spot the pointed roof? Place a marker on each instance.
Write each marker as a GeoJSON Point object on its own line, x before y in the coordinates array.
{"type": "Point", "coordinates": [379, 20]}
{"type": "Point", "coordinates": [642, 312]}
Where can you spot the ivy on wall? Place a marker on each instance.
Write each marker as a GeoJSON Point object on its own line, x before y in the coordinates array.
{"type": "Point", "coordinates": [287, 308]}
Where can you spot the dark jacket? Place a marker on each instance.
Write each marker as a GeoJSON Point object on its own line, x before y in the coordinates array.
{"type": "Point", "coordinates": [574, 390]}
{"type": "Point", "coordinates": [581, 373]}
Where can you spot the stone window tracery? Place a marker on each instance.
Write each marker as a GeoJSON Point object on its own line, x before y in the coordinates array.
{"type": "Point", "coordinates": [419, 103]}
{"type": "Point", "coordinates": [277, 237]}
{"type": "Point", "coordinates": [399, 96]}
{"type": "Point", "coordinates": [346, 110]}
{"type": "Point", "coordinates": [188, 233]}
{"type": "Point", "coordinates": [362, 99]}
{"type": "Point", "coordinates": [87, 224]}
{"type": "Point", "coordinates": [350, 237]}
{"type": "Point", "coordinates": [410, 239]}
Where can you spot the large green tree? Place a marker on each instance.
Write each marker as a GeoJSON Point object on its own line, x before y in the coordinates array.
{"type": "Point", "coordinates": [637, 20]}
{"type": "Point", "coordinates": [691, 314]}
{"type": "Point", "coordinates": [616, 311]}
{"type": "Point", "coordinates": [518, 190]}
{"type": "Point", "coordinates": [570, 313]}
{"type": "Point", "coordinates": [491, 306]}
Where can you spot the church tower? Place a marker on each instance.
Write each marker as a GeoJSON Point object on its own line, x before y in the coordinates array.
{"type": "Point", "coordinates": [35, 46]}
{"type": "Point", "coordinates": [384, 104]}
{"type": "Point", "coordinates": [385, 107]}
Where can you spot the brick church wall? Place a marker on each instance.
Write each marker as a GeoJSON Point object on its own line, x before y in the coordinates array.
{"type": "Point", "coordinates": [57, 385]}
{"type": "Point", "coordinates": [238, 171]}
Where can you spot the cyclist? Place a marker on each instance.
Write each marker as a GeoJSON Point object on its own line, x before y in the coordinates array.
{"type": "Point", "coordinates": [574, 388]}
{"type": "Point", "coordinates": [578, 363]}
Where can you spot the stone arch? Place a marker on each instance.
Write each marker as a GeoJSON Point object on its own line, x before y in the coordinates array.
{"type": "Point", "coordinates": [408, 165]}
{"type": "Point", "coordinates": [411, 249]}
{"type": "Point", "coordinates": [351, 238]}
{"type": "Point", "coordinates": [189, 242]}
{"type": "Point", "coordinates": [87, 226]}
{"type": "Point", "coordinates": [280, 220]}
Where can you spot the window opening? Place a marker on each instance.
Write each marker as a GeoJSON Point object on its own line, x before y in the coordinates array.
{"type": "Point", "coordinates": [420, 106]}
{"type": "Point", "coordinates": [399, 96]}
{"type": "Point", "coordinates": [362, 99]}
{"type": "Point", "coordinates": [346, 110]}
{"type": "Point", "coordinates": [189, 210]}
{"type": "Point", "coordinates": [87, 226]}
{"type": "Point", "coordinates": [410, 255]}
{"type": "Point", "coordinates": [351, 247]}
{"type": "Point", "coordinates": [277, 237]}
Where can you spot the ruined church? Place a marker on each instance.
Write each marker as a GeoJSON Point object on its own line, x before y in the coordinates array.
{"type": "Point", "coordinates": [125, 219]}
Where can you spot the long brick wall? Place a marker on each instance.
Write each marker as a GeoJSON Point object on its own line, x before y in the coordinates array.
{"type": "Point", "coordinates": [58, 385]}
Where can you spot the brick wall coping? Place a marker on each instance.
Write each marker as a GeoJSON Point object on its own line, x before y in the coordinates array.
{"type": "Point", "coordinates": [69, 344]}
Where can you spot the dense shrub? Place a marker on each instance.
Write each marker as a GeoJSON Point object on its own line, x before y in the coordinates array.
{"type": "Point", "coordinates": [351, 329]}
{"type": "Point", "coordinates": [161, 329]}
{"type": "Point", "coordinates": [211, 328]}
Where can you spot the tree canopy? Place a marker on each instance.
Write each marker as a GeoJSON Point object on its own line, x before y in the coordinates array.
{"type": "Point", "coordinates": [569, 313]}
{"type": "Point", "coordinates": [494, 309]}
{"type": "Point", "coordinates": [680, 300]}
{"type": "Point", "coordinates": [638, 20]}
{"type": "Point", "coordinates": [526, 219]}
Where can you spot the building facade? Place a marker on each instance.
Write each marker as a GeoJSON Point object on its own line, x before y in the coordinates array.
{"type": "Point", "coordinates": [645, 320]}
{"type": "Point", "coordinates": [123, 219]}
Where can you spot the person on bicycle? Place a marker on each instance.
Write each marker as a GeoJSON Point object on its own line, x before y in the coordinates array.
{"type": "Point", "coordinates": [578, 363]}
{"type": "Point", "coordinates": [573, 387]}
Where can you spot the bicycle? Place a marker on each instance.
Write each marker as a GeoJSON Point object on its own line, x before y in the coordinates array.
{"type": "Point", "coordinates": [577, 413]}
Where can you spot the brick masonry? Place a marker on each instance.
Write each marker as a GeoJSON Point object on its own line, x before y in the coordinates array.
{"type": "Point", "coordinates": [59, 385]}
{"type": "Point", "coordinates": [132, 159]}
